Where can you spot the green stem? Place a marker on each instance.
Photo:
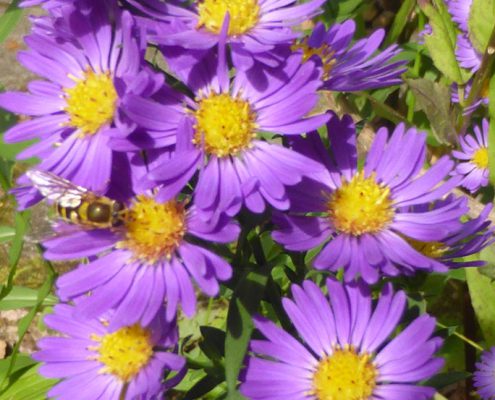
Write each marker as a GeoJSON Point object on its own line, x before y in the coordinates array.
{"type": "Point", "coordinates": [462, 337]}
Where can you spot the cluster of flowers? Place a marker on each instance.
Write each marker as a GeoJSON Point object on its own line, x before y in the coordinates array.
{"type": "Point", "coordinates": [233, 127]}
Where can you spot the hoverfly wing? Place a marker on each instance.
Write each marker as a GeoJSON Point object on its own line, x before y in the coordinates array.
{"type": "Point", "coordinates": [57, 189]}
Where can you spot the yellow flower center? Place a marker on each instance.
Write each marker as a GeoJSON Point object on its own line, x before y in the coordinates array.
{"type": "Point", "coordinates": [91, 102]}
{"type": "Point", "coordinates": [480, 158]}
{"type": "Point", "coordinates": [224, 125]}
{"type": "Point", "coordinates": [244, 15]}
{"type": "Point", "coordinates": [153, 230]}
{"type": "Point", "coordinates": [324, 52]}
{"type": "Point", "coordinates": [360, 206]}
{"type": "Point", "coordinates": [125, 352]}
{"type": "Point", "coordinates": [428, 249]}
{"type": "Point", "coordinates": [344, 375]}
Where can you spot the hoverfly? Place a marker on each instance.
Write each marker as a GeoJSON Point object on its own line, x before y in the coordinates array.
{"type": "Point", "coordinates": [76, 204]}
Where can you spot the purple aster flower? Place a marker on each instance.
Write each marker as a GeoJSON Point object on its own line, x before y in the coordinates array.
{"type": "Point", "coordinates": [78, 108]}
{"type": "Point", "coordinates": [351, 67]}
{"type": "Point", "coordinates": [459, 10]}
{"type": "Point", "coordinates": [482, 99]}
{"type": "Point", "coordinates": [256, 29]}
{"type": "Point", "coordinates": [343, 349]}
{"type": "Point", "coordinates": [466, 54]}
{"type": "Point", "coordinates": [154, 254]}
{"type": "Point", "coordinates": [365, 215]}
{"type": "Point", "coordinates": [102, 363]}
{"type": "Point", "coordinates": [466, 239]}
{"type": "Point", "coordinates": [484, 380]}
{"type": "Point", "coordinates": [223, 129]}
{"type": "Point", "coordinates": [473, 159]}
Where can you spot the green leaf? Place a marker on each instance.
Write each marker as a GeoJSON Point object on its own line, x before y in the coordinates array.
{"type": "Point", "coordinates": [441, 43]}
{"type": "Point", "coordinates": [7, 233]}
{"type": "Point", "coordinates": [245, 302]}
{"type": "Point", "coordinates": [400, 21]}
{"type": "Point", "coordinates": [213, 344]}
{"type": "Point", "coordinates": [23, 361]}
{"type": "Point", "coordinates": [340, 10]}
{"type": "Point", "coordinates": [203, 386]}
{"type": "Point", "coordinates": [448, 378]}
{"type": "Point", "coordinates": [482, 291]}
{"type": "Point", "coordinates": [9, 20]}
{"type": "Point", "coordinates": [488, 255]}
{"type": "Point", "coordinates": [21, 297]}
{"type": "Point", "coordinates": [29, 386]}
{"type": "Point", "coordinates": [6, 174]}
{"type": "Point", "coordinates": [434, 99]}
{"type": "Point", "coordinates": [480, 24]}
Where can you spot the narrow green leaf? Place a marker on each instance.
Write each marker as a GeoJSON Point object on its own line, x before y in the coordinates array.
{"type": "Point", "coordinates": [482, 291]}
{"type": "Point", "coordinates": [480, 24]}
{"type": "Point", "coordinates": [25, 322]}
{"type": "Point", "coordinates": [21, 226]}
{"type": "Point", "coordinates": [441, 43]}
{"type": "Point", "coordinates": [434, 99]}
{"type": "Point", "coordinates": [23, 361]}
{"type": "Point", "coordinates": [22, 297]}
{"type": "Point", "coordinates": [400, 21]}
{"type": "Point", "coordinates": [9, 20]}
{"type": "Point", "coordinates": [245, 302]}
{"type": "Point", "coordinates": [29, 386]}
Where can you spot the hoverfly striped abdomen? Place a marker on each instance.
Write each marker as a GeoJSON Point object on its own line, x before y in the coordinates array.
{"type": "Point", "coordinates": [77, 204]}
{"type": "Point", "coordinates": [100, 212]}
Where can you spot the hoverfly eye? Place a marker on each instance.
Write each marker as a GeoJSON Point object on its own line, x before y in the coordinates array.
{"type": "Point", "coordinates": [117, 207]}
{"type": "Point", "coordinates": [98, 212]}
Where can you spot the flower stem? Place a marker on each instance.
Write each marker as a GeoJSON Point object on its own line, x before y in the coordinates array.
{"type": "Point", "coordinates": [462, 337]}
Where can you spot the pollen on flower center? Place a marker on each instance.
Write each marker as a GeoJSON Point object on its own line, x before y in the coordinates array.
{"type": "Point", "coordinates": [153, 230]}
{"type": "Point", "coordinates": [344, 375]}
{"type": "Point", "coordinates": [91, 102]}
{"type": "Point", "coordinates": [480, 158]}
{"type": "Point", "coordinates": [429, 249]}
{"type": "Point", "coordinates": [244, 15]}
{"type": "Point", "coordinates": [125, 352]}
{"type": "Point", "coordinates": [324, 53]}
{"type": "Point", "coordinates": [224, 125]}
{"type": "Point", "coordinates": [360, 206]}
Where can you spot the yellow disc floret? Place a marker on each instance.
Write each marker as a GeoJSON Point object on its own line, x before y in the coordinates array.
{"type": "Point", "coordinates": [153, 230]}
{"type": "Point", "coordinates": [429, 249]}
{"type": "Point", "coordinates": [244, 15]}
{"type": "Point", "coordinates": [224, 125]}
{"type": "Point", "coordinates": [125, 352]}
{"type": "Point", "coordinates": [91, 102]}
{"type": "Point", "coordinates": [480, 158]}
{"type": "Point", "coordinates": [344, 375]}
{"type": "Point", "coordinates": [324, 53]}
{"type": "Point", "coordinates": [360, 206]}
